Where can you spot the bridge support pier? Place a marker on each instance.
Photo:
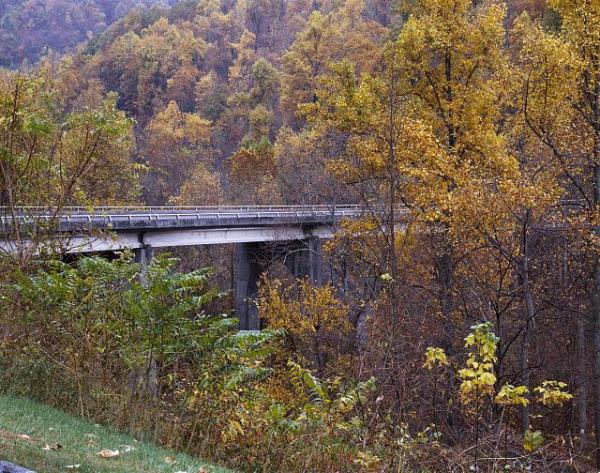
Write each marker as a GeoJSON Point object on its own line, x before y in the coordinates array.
{"type": "Point", "coordinates": [146, 378]}
{"type": "Point", "coordinates": [315, 261]}
{"type": "Point", "coordinates": [303, 259]}
{"type": "Point", "coordinates": [246, 272]}
{"type": "Point", "coordinates": [144, 257]}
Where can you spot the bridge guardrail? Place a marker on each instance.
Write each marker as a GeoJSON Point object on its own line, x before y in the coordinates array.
{"type": "Point", "coordinates": [151, 209]}
{"type": "Point", "coordinates": [102, 217]}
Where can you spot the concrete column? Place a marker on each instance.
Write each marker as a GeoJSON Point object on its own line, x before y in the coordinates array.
{"type": "Point", "coordinates": [293, 252]}
{"type": "Point", "coordinates": [144, 257]}
{"type": "Point", "coordinates": [246, 272]}
{"type": "Point", "coordinates": [146, 377]}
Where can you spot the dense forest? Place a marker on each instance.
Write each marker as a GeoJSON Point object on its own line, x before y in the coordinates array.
{"type": "Point", "coordinates": [457, 326]}
{"type": "Point", "coordinates": [32, 29]}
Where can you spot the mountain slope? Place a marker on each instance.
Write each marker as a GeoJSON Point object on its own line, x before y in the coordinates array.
{"type": "Point", "coordinates": [29, 28]}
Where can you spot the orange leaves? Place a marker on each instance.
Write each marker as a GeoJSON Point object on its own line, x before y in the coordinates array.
{"type": "Point", "coordinates": [252, 163]}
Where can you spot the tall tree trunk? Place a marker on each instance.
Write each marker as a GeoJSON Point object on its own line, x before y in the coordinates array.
{"type": "Point", "coordinates": [596, 357]}
{"type": "Point", "coordinates": [528, 315]}
{"type": "Point", "coordinates": [444, 275]}
{"type": "Point", "coordinates": [596, 299]}
{"type": "Point", "coordinates": [582, 381]}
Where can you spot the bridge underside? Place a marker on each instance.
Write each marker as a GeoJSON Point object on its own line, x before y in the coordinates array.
{"type": "Point", "coordinates": [298, 247]}
{"type": "Point", "coordinates": [302, 258]}
{"type": "Point", "coordinates": [118, 241]}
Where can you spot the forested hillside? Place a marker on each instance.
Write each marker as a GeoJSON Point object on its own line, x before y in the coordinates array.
{"type": "Point", "coordinates": [457, 323]}
{"type": "Point", "coordinates": [215, 88]}
{"type": "Point", "coordinates": [31, 29]}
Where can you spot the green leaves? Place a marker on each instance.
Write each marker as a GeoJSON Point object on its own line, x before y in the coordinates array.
{"type": "Point", "coordinates": [53, 156]}
{"type": "Point", "coordinates": [304, 379]}
{"type": "Point", "coordinates": [104, 303]}
{"type": "Point", "coordinates": [37, 124]}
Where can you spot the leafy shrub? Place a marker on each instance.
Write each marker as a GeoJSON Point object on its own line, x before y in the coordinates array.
{"type": "Point", "coordinates": [140, 351]}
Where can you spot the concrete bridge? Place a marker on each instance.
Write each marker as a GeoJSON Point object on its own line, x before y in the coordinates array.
{"type": "Point", "coordinates": [253, 229]}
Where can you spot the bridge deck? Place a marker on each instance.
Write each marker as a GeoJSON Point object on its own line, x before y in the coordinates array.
{"type": "Point", "coordinates": [78, 219]}
{"type": "Point", "coordinates": [80, 230]}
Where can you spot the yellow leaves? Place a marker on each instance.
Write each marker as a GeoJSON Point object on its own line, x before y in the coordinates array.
{"type": "Point", "coordinates": [483, 340]}
{"type": "Point", "coordinates": [316, 308]}
{"type": "Point", "coordinates": [510, 395]}
{"type": "Point", "coordinates": [367, 461]}
{"type": "Point", "coordinates": [478, 377]}
{"type": "Point", "coordinates": [310, 314]}
{"type": "Point", "coordinates": [580, 21]}
{"type": "Point", "coordinates": [445, 146]}
{"type": "Point", "coordinates": [175, 141]}
{"type": "Point", "coordinates": [239, 71]}
{"type": "Point", "coordinates": [232, 431]}
{"type": "Point", "coordinates": [172, 127]}
{"type": "Point", "coordinates": [552, 66]}
{"type": "Point", "coordinates": [316, 48]}
{"type": "Point", "coordinates": [435, 357]}
{"type": "Point", "coordinates": [476, 383]}
{"type": "Point", "coordinates": [202, 187]}
{"type": "Point", "coordinates": [552, 393]}
{"type": "Point", "coordinates": [261, 120]}
{"type": "Point", "coordinates": [532, 440]}
{"type": "Point", "coordinates": [305, 60]}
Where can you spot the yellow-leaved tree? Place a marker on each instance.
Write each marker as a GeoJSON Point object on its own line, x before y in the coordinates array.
{"type": "Point", "coordinates": [176, 142]}
{"type": "Point", "coordinates": [561, 109]}
{"type": "Point", "coordinates": [425, 134]}
{"type": "Point", "coordinates": [314, 319]}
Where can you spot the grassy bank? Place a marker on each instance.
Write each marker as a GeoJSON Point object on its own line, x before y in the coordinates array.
{"type": "Point", "coordinates": [46, 440]}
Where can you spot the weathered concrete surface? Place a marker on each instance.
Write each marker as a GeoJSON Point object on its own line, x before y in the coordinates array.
{"type": "Point", "coordinates": [247, 270]}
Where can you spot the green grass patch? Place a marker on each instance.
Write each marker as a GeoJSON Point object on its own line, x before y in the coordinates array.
{"type": "Point", "coordinates": [30, 433]}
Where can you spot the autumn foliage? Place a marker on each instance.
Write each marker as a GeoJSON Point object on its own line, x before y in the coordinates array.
{"type": "Point", "coordinates": [456, 325]}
